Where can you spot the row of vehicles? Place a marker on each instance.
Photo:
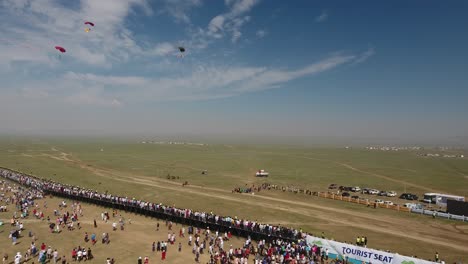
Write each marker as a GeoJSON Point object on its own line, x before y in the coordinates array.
{"type": "Point", "coordinates": [432, 198]}
{"type": "Point", "coordinates": [379, 193]}
{"type": "Point", "coordinates": [371, 191]}
{"type": "Point", "coordinates": [363, 191]}
{"type": "Point", "coordinates": [379, 201]}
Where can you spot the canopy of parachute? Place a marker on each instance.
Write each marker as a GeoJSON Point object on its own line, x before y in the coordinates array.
{"type": "Point", "coordinates": [61, 49]}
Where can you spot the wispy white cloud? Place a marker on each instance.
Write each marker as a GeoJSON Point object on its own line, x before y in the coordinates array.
{"type": "Point", "coordinates": [200, 84]}
{"type": "Point", "coordinates": [216, 25]}
{"type": "Point", "coordinates": [179, 9]}
{"type": "Point", "coordinates": [164, 48]}
{"type": "Point", "coordinates": [261, 33]}
{"type": "Point", "coordinates": [272, 78]}
{"type": "Point", "coordinates": [322, 17]}
{"type": "Point", "coordinates": [91, 97]}
{"type": "Point", "coordinates": [232, 21]}
{"type": "Point", "coordinates": [106, 80]}
{"type": "Point", "coordinates": [240, 7]}
{"type": "Point", "coordinates": [112, 43]}
{"type": "Point", "coordinates": [44, 24]}
{"type": "Point", "coordinates": [365, 55]}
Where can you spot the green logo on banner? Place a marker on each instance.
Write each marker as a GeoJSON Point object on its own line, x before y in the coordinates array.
{"type": "Point", "coordinates": [319, 243]}
{"type": "Point", "coordinates": [407, 262]}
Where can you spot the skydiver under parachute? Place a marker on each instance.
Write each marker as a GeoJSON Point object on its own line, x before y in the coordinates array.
{"type": "Point", "coordinates": [88, 23]}
{"type": "Point", "coordinates": [181, 50]}
{"type": "Point", "coordinates": [61, 49]}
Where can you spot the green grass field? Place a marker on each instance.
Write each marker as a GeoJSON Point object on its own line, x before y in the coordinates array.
{"type": "Point", "coordinates": [140, 170]}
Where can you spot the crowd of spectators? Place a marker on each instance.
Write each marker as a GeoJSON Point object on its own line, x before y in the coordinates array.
{"type": "Point", "coordinates": [277, 244]}
{"type": "Point", "coordinates": [267, 186]}
{"type": "Point", "coordinates": [41, 187]}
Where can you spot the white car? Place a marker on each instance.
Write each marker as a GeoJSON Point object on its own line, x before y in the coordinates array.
{"type": "Point", "coordinates": [413, 206]}
{"type": "Point", "coordinates": [388, 202]}
{"type": "Point", "coordinates": [391, 194]}
{"type": "Point", "coordinates": [356, 189]}
{"type": "Point", "coordinates": [373, 191]}
{"type": "Point", "coordinates": [379, 201]}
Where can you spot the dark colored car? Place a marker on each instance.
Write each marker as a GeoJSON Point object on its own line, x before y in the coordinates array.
{"type": "Point", "coordinates": [382, 193]}
{"type": "Point", "coordinates": [355, 197]}
{"type": "Point", "coordinates": [345, 194]}
{"type": "Point", "coordinates": [409, 196]}
{"type": "Point", "coordinates": [333, 186]}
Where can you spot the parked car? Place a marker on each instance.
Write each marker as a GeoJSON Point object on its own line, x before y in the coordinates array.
{"type": "Point", "coordinates": [345, 194]}
{"type": "Point", "coordinates": [391, 194]}
{"type": "Point", "coordinates": [355, 197]}
{"type": "Point", "coordinates": [373, 191]}
{"type": "Point", "coordinates": [379, 201]}
{"type": "Point", "coordinates": [409, 196]}
{"type": "Point", "coordinates": [382, 193]}
{"type": "Point", "coordinates": [365, 191]}
{"type": "Point", "coordinates": [388, 202]}
{"type": "Point", "coordinates": [413, 206]}
{"type": "Point", "coordinates": [333, 186]}
{"type": "Point", "coordinates": [356, 189]}
{"type": "Point", "coordinates": [403, 195]}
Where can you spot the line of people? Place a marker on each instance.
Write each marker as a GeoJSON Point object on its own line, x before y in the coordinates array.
{"type": "Point", "coordinates": [234, 222]}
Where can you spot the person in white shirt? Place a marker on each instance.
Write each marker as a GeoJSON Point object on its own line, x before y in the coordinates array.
{"type": "Point", "coordinates": [55, 256]}
{"type": "Point", "coordinates": [79, 255]}
{"type": "Point", "coordinates": [18, 258]}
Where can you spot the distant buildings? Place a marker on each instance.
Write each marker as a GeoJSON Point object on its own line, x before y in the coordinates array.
{"type": "Point", "coordinates": [438, 151]}
{"type": "Point", "coordinates": [443, 155]}
{"type": "Point", "coordinates": [172, 143]}
{"type": "Point", "coordinates": [393, 148]}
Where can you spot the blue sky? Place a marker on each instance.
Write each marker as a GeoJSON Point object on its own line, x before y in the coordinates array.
{"type": "Point", "coordinates": [375, 69]}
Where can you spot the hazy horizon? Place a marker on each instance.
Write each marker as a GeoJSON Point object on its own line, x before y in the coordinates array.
{"type": "Point", "coordinates": [229, 139]}
{"type": "Point", "coordinates": [253, 70]}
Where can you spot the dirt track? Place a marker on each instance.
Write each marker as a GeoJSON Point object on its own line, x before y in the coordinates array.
{"type": "Point", "coordinates": [388, 225]}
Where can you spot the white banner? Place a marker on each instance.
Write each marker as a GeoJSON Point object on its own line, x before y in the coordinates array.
{"type": "Point", "coordinates": [361, 253]}
{"type": "Point", "coordinates": [398, 259]}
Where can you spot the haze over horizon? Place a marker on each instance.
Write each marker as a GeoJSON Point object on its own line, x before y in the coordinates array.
{"type": "Point", "coordinates": [362, 71]}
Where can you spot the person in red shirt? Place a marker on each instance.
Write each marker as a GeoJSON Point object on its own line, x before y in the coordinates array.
{"type": "Point", "coordinates": [43, 246]}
